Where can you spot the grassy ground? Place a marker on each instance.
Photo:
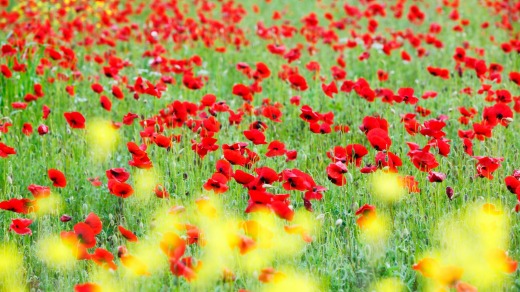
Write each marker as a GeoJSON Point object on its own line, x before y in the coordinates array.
{"type": "Point", "coordinates": [338, 258]}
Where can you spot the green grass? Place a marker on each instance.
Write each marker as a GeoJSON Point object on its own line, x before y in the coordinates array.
{"type": "Point", "coordinates": [337, 259]}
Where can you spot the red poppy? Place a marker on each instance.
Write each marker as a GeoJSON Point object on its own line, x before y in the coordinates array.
{"type": "Point", "coordinates": [422, 159]}
{"type": "Point", "coordinates": [224, 167]}
{"type": "Point", "coordinates": [161, 192]}
{"type": "Point", "coordinates": [355, 153]}
{"type": "Point", "coordinates": [27, 129]}
{"type": "Point", "coordinates": [298, 82]}
{"type": "Point", "coordinates": [184, 268]}
{"type": "Point", "coordinates": [88, 287]}
{"type": "Point", "coordinates": [104, 259]}
{"type": "Point", "coordinates": [39, 191]}
{"type": "Point", "coordinates": [434, 176]}
{"type": "Point", "coordinates": [439, 72]}
{"type": "Point", "coordinates": [120, 189]}
{"type": "Point", "coordinates": [6, 150]}
{"type": "Point", "coordinates": [407, 95]}
{"type": "Point", "coordinates": [95, 181]}
{"type": "Point", "coordinates": [94, 222]}
{"type": "Point", "coordinates": [173, 246]}
{"type": "Point", "coordinates": [335, 172]}
{"type": "Point", "coordinates": [367, 214]}
{"type": "Point", "coordinates": [379, 139]}
{"type": "Point", "coordinates": [388, 161]}
{"type": "Point", "coordinates": [97, 88]}
{"type": "Point", "coordinates": [57, 177]}
{"type": "Point", "coordinates": [21, 206]}
{"type": "Point", "coordinates": [487, 165]}
{"type": "Point", "coordinates": [255, 136]}
{"type": "Point", "coordinates": [129, 235]}
{"type": "Point", "coordinates": [105, 103]}
{"type": "Point", "coordinates": [21, 226]}
{"type": "Point", "coordinates": [515, 77]}
{"type": "Point", "coordinates": [132, 263]}
{"type": "Point", "coordinates": [330, 89]}
{"type": "Point", "coordinates": [410, 184]}
{"type": "Point", "coordinates": [499, 113]}
{"type": "Point", "coordinates": [43, 129]}
{"type": "Point", "coordinates": [275, 148]}
{"type": "Point", "coordinates": [217, 183]}
{"type": "Point", "coordinates": [75, 119]}
{"type": "Point", "coordinates": [85, 235]}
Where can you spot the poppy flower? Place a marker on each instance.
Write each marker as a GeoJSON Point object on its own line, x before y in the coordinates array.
{"type": "Point", "coordinates": [6, 150]}
{"type": "Point", "coordinates": [95, 181]}
{"type": "Point", "coordinates": [367, 214]}
{"type": "Point", "coordinates": [379, 139]}
{"type": "Point", "coordinates": [39, 191]}
{"type": "Point", "coordinates": [422, 159]}
{"type": "Point", "coordinates": [27, 129]}
{"type": "Point", "coordinates": [129, 235]}
{"type": "Point", "coordinates": [224, 167]}
{"type": "Point", "coordinates": [119, 174]}
{"type": "Point", "coordinates": [75, 119]}
{"type": "Point", "coordinates": [335, 173]}
{"type": "Point", "coordinates": [487, 165]}
{"type": "Point", "coordinates": [43, 129]}
{"type": "Point", "coordinates": [6, 71]}
{"type": "Point", "coordinates": [355, 153]}
{"type": "Point", "coordinates": [217, 183]}
{"type": "Point", "coordinates": [407, 95]}
{"type": "Point", "coordinates": [388, 161]}
{"type": "Point", "coordinates": [21, 206]}
{"type": "Point", "coordinates": [282, 210]}
{"type": "Point", "coordinates": [330, 89]}
{"type": "Point", "coordinates": [499, 113]}
{"type": "Point", "coordinates": [370, 122]}
{"type": "Point", "coordinates": [88, 287]}
{"type": "Point", "coordinates": [184, 268]}
{"type": "Point", "coordinates": [97, 88]}
{"type": "Point", "coordinates": [85, 235]}
{"type": "Point", "coordinates": [270, 275]}
{"type": "Point", "coordinates": [443, 275]}
{"type": "Point", "coordinates": [235, 157]}
{"type": "Point", "coordinates": [94, 222]}
{"type": "Point", "coordinates": [120, 189]}
{"type": "Point", "coordinates": [160, 192]}
{"type": "Point", "coordinates": [515, 77]}
{"type": "Point", "coordinates": [513, 181]}
{"type": "Point", "coordinates": [172, 245]}
{"type": "Point", "coordinates": [21, 226]}
{"type": "Point", "coordinates": [132, 263]}
{"type": "Point", "coordinates": [255, 136]}
{"type": "Point", "coordinates": [275, 148]}
{"type": "Point", "coordinates": [116, 91]}
{"type": "Point", "coordinates": [434, 176]}
{"type": "Point", "coordinates": [65, 218]}
{"type": "Point", "coordinates": [57, 177]}
{"type": "Point", "coordinates": [298, 82]}
{"type": "Point", "coordinates": [104, 259]}
{"type": "Point", "coordinates": [46, 111]}
{"type": "Point", "coordinates": [105, 103]}
{"type": "Point", "coordinates": [439, 72]}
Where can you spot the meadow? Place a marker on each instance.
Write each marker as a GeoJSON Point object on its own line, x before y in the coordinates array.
{"type": "Point", "coordinates": [259, 145]}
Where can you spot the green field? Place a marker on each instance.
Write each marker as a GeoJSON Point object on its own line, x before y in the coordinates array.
{"type": "Point", "coordinates": [197, 78]}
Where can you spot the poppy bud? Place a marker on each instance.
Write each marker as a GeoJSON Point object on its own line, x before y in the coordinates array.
{"type": "Point", "coordinates": [42, 130]}
{"type": "Point", "coordinates": [339, 222]}
{"type": "Point", "coordinates": [449, 193]}
{"type": "Point", "coordinates": [65, 218]}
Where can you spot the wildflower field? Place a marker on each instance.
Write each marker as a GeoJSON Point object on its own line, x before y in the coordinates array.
{"type": "Point", "coordinates": [264, 145]}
